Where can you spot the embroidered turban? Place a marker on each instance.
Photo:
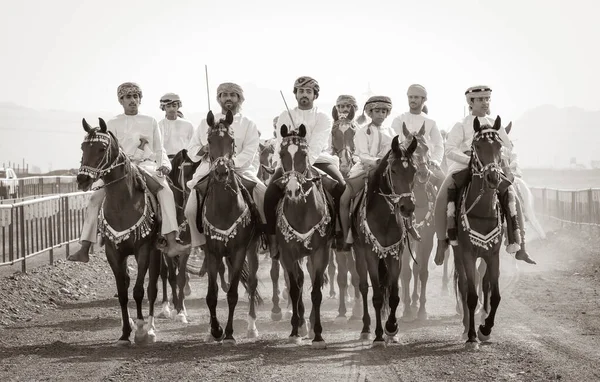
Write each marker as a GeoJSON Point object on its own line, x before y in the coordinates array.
{"type": "Point", "coordinates": [169, 98]}
{"type": "Point", "coordinates": [346, 100]}
{"type": "Point", "coordinates": [127, 88]}
{"type": "Point", "coordinates": [378, 102]}
{"type": "Point", "coordinates": [307, 82]}
{"type": "Point", "coordinates": [417, 90]}
{"type": "Point", "coordinates": [478, 91]}
{"type": "Point", "coordinates": [230, 87]}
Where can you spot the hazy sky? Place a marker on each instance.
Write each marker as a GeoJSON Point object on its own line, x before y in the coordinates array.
{"type": "Point", "coordinates": [72, 54]}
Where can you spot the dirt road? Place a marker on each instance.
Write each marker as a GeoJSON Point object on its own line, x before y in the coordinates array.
{"type": "Point", "coordinates": [547, 328]}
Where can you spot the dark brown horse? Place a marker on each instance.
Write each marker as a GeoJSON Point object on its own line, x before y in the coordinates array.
{"type": "Point", "coordinates": [128, 222]}
{"type": "Point", "coordinates": [380, 228]}
{"type": "Point", "coordinates": [425, 194]}
{"type": "Point", "coordinates": [304, 229]}
{"type": "Point", "coordinates": [231, 224]}
{"type": "Point", "coordinates": [479, 222]}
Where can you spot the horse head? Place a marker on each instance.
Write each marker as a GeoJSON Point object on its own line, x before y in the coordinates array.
{"type": "Point", "coordinates": [421, 156]}
{"type": "Point", "coordinates": [399, 173]}
{"type": "Point", "coordinates": [337, 116]}
{"type": "Point", "coordinates": [221, 145]}
{"type": "Point", "coordinates": [486, 153]}
{"type": "Point", "coordinates": [183, 169]}
{"type": "Point", "coordinates": [100, 153]}
{"type": "Point", "coordinates": [294, 162]}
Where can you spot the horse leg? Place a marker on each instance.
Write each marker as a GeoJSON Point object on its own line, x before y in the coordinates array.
{"type": "Point", "coordinates": [173, 283]}
{"type": "Point", "coordinates": [445, 276]}
{"type": "Point", "coordinates": [373, 267]}
{"type": "Point", "coordinates": [472, 299]}
{"type": "Point", "coordinates": [252, 256]}
{"type": "Point", "coordinates": [287, 292]}
{"type": "Point", "coordinates": [118, 264]}
{"type": "Point", "coordinates": [212, 294]}
{"type": "Point", "coordinates": [276, 310]}
{"type": "Point", "coordinates": [405, 275]}
{"type": "Point", "coordinates": [363, 286]}
{"type": "Point", "coordinates": [224, 284]}
{"type": "Point", "coordinates": [480, 273]}
{"type": "Point", "coordinates": [232, 295]}
{"type": "Point", "coordinates": [485, 292]}
{"type": "Point", "coordinates": [357, 307]}
{"type": "Point", "coordinates": [494, 288]}
{"type": "Point", "coordinates": [143, 260]}
{"type": "Point", "coordinates": [182, 282]}
{"type": "Point", "coordinates": [331, 272]}
{"type": "Point", "coordinates": [294, 296]}
{"type": "Point", "coordinates": [415, 270]}
{"type": "Point", "coordinates": [164, 275]}
{"type": "Point", "coordinates": [460, 280]}
{"type": "Point", "coordinates": [153, 273]}
{"type": "Point", "coordinates": [391, 325]}
{"type": "Point", "coordinates": [342, 280]}
{"type": "Point", "coordinates": [320, 263]}
{"type": "Point", "coordinates": [303, 324]}
{"type": "Point", "coordinates": [425, 248]}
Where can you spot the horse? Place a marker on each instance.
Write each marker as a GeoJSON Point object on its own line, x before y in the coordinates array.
{"type": "Point", "coordinates": [380, 231]}
{"type": "Point", "coordinates": [265, 154]}
{"type": "Point", "coordinates": [128, 222]}
{"type": "Point", "coordinates": [230, 220]}
{"type": "Point", "coordinates": [425, 194]}
{"type": "Point", "coordinates": [304, 229]}
{"type": "Point", "coordinates": [342, 134]}
{"type": "Point", "coordinates": [480, 229]}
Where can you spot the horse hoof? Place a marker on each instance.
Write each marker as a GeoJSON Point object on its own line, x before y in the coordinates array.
{"type": "Point", "coordinates": [392, 339]}
{"type": "Point", "coordinates": [311, 334]}
{"type": "Point", "coordinates": [303, 330]}
{"type": "Point", "coordinates": [122, 343]}
{"type": "Point", "coordinates": [141, 337]}
{"type": "Point", "coordinates": [472, 346]}
{"type": "Point", "coordinates": [340, 320]}
{"type": "Point", "coordinates": [482, 337]}
{"type": "Point", "coordinates": [229, 342]}
{"type": "Point", "coordinates": [422, 315]}
{"type": "Point", "coordinates": [378, 343]}
{"type": "Point", "coordinates": [173, 315]}
{"type": "Point", "coordinates": [276, 316]}
{"type": "Point", "coordinates": [253, 333]}
{"type": "Point", "coordinates": [365, 337]}
{"type": "Point", "coordinates": [181, 318]}
{"type": "Point", "coordinates": [165, 311]}
{"type": "Point", "coordinates": [464, 336]}
{"type": "Point", "coordinates": [151, 336]}
{"type": "Point", "coordinates": [391, 334]}
{"type": "Point", "coordinates": [296, 340]}
{"type": "Point", "coordinates": [319, 344]}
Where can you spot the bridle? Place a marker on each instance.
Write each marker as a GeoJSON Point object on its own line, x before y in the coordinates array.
{"type": "Point", "coordinates": [392, 198]}
{"type": "Point", "coordinates": [106, 165]}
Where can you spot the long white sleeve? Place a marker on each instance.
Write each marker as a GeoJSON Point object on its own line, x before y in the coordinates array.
{"type": "Point", "coordinates": [160, 154]}
{"type": "Point", "coordinates": [319, 138]}
{"type": "Point", "coordinates": [435, 139]}
{"type": "Point", "coordinates": [197, 143]}
{"type": "Point", "coordinates": [249, 147]}
{"type": "Point", "coordinates": [362, 148]}
{"type": "Point", "coordinates": [456, 136]}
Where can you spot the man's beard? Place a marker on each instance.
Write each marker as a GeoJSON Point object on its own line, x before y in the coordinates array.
{"type": "Point", "coordinates": [233, 106]}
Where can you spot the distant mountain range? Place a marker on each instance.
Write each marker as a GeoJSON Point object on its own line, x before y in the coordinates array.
{"type": "Point", "coordinates": [544, 137]}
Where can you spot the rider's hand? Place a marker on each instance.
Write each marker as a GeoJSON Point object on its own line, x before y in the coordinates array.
{"type": "Point", "coordinates": [163, 170]}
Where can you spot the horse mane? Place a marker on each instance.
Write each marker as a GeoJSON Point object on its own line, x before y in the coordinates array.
{"type": "Point", "coordinates": [377, 176]}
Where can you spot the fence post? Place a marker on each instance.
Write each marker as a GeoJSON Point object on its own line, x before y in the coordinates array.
{"type": "Point", "coordinates": [574, 216]}
{"type": "Point", "coordinates": [591, 206]}
{"type": "Point", "coordinates": [67, 229]}
{"type": "Point", "coordinates": [22, 234]}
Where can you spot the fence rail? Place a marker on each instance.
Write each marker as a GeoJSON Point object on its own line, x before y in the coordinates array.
{"type": "Point", "coordinates": [568, 206]}
{"type": "Point", "coordinates": [40, 185]}
{"type": "Point", "coordinates": [38, 225]}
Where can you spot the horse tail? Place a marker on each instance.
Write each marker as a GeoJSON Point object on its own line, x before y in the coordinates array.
{"type": "Point", "coordinates": [386, 287]}
{"type": "Point", "coordinates": [244, 278]}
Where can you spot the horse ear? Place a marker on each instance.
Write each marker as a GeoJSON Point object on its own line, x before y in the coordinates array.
{"type": "Point", "coordinates": [395, 144]}
{"type": "Point", "coordinates": [422, 130]}
{"type": "Point", "coordinates": [497, 123]}
{"type": "Point", "coordinates": [405, 130]}
{"type": "Point", "coordinates": [412, 147]}
{"type": "Point", "coordinates": [302, 131]}
{"type": "Point", "coordinates": [476, 125]}
{"type": "Point", "coordinates": [229, 117]}
{"type": "Point", "coordinates": [86, 126]}
{"type": "Point", "coordinates": [210, 118]}
{"type": "Point", "coordinates": [351, 114]}
{"type": "Point", "coordinates": [103, 127]}
{"type": "Point", "coordinates": [334, 114]}
{"type": "Point", "coordinates": [284, 131]}
{"type": "Point", "coordinates": [508, 128]}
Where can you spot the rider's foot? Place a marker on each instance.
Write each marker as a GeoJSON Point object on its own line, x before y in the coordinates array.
{"type": "Point", "coordinates": [524, 256]}
{"type": "Point", "coordinates": [440, 253]}
{"type": "Point", "coordinates": [174, 248]}
{"type": "Point", "coordinates": [83, 254]}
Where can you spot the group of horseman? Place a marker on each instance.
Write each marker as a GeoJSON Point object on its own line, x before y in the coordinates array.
{"type": "Point", "coordinates": [344, 151]}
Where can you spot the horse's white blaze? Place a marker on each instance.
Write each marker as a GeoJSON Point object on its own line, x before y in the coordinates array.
{"type": "Point", "coordinates": [292, 149]}
{"type": "Point", "coordinates": [293, 186]}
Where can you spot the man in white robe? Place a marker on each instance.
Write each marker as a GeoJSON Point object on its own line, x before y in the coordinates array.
{"type": "Point", "coordinates": [140, 139]}
{"type": "Point", "coordinates": [176, 131]}
{"type": "Point", "coordinates": [230, 97]}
